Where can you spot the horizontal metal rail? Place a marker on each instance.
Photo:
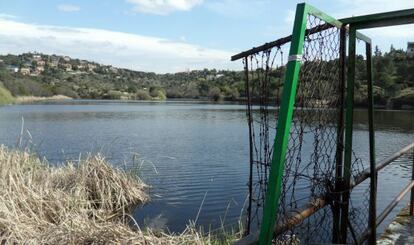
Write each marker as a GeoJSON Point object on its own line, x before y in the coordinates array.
{"type": "Point", "coordinates": [382, 164]}
{"type": "Point", "coordinates": [292, 221]}
{"type": "Point", "coordinates": [388, 210]}
{"type": "Point", "coordinates": [400, 17]}
{"type": "Point", "coordinates": [284, 40]}
{"type": "Point", "coordinates": [311, 208]}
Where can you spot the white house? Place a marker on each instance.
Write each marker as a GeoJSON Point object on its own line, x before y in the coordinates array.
{"type": "Point", "coordinates": [410, 49]}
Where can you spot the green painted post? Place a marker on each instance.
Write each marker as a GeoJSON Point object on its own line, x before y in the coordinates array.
{"type": "Point", "coordinates": [283, 127]}
{"type": "Point", "coordinates": [348, 133]}
{"type": "Point", "coordinates": [373, 184]}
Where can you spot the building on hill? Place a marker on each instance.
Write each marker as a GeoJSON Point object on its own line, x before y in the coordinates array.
{"type": "Point", "coordinates": [37, 57]}
{"type": "Point", "coordinates": [40, 69]}
{"type": "Point", "coordinates": [410, 49]}
{"type": "Point", "coordinates": [68, 67]}
{"type": "Point", "coordinates": [12, 68]}
{"type": "Point", "coordinates": [91, 67]}
{"type": "Point", "coordinates": [25, 71]}
{"type": "Point", "coordinates": [40, 63]}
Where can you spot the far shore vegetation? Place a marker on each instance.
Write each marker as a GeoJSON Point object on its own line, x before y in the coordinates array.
{"type": "Point", "coordinates": [40, 75]}
{"type": "Point", "coordinates": [83, 202]}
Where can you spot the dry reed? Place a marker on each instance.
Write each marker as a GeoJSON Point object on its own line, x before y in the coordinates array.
{"type": "Point", "coordinates": [82, 203]}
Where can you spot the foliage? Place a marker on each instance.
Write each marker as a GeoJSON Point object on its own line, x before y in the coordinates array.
{"type": "Point", "coordinates": [393, 73]}
{"type": "Point", "coordinates": [5, 96]}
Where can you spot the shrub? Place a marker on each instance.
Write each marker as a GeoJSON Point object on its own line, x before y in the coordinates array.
{"type": "Point", "coordinates": [5, 96]}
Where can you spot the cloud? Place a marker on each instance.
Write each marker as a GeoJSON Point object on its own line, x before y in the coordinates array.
{"type": "Point", "coordinates": [240, 9]}
{"type": "Point", "coordinates": [163, 7]}
{"type": "Point", "coordinates": [7, 16]}
{"type": "Point", "coordinates": [68, 8]}
{"type": "Point", "coordinates": [120, 49]}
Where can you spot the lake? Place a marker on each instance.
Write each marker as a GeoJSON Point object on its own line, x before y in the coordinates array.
{"type": "Point", "coordinates": [194, 155]}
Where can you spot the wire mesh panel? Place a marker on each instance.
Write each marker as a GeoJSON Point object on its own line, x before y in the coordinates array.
{"type": "Point", "coordinates": [359, 198]}
{"type": "Point", "coordinates": [311, 157]}
{"type": "Point", "coordinates": [264, 78]}
{"type": "Point", "coordinates": [313, 205]}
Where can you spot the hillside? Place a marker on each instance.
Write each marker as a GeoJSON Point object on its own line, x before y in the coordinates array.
{"type": "Point", "coordinates": [44, 75]}
{"type": "Point", "coordinates": [33, 74]}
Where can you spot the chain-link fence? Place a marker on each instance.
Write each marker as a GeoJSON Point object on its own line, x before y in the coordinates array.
{"type": "Point", "coordinates": [315, 147]}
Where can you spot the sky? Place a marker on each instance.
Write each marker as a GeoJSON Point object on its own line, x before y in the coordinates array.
{"type": "Point", "coordinates": [166, 36]}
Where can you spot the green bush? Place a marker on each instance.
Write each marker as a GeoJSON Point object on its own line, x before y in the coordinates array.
{"type": "Point", "coordinates": [5, 96]}
{"type": "Point", "coordinates": [405, 97]}
{"type": "Point", "coordinates": [142, 95]}
{"type": "Point", "coordinates": [113, 95]}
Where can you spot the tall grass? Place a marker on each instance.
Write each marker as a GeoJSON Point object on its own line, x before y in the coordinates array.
{"type": "Point", "coordinates": [5, 96]}
{"type": "Point", "coordinates": [79, 203]}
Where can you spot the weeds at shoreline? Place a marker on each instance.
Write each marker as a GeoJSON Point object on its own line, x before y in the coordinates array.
{"type": "Point", "coordinates": [78, 203]}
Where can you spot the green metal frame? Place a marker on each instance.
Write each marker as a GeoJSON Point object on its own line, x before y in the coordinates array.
{"type": "Point", "coordinates": [353, 36]}
{"type": "Point", "coordinates": [287, 106]}
{"type": "Point", "coordinates": [285, 116]}
{"type": "Point", "coordinates": [356, 23]}
{"type": "Point", "coordinates": [271, 206]}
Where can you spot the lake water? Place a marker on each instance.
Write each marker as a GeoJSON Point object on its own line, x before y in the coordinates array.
{"type": "Point", "coordinates": [193, 154]}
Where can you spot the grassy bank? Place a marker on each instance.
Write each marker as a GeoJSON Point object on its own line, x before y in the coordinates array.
{"type": "Point", "coordinates": [5, 96]}
{"type": "Point", "coordinates": [32, 99]}
{"type": "Point", "coordinates": [78, 203]}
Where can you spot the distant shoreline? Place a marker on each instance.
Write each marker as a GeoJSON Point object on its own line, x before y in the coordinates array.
{"type": "Point", "coordinates": [32, 99]}
{"type": "Point", "coordinates": [57, 98]}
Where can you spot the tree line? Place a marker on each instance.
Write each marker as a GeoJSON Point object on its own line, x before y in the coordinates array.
{"type": "Point", "coordinates": [393, 80]}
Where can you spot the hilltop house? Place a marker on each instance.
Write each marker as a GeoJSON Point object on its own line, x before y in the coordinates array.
{"type": "Point", "coordinates": [68, 67]}
{"type": "Point", "coordinates": [37, 57]}
{"type": "Point", "coordinates": [25, 71]}
{"type": "Point", "coordinates": [54, 61]}
{"type": "Point", "coordinates": [40, 63]}
{"type": "Point", "coordinates": [40, 69]}
{"type": "Point", "coordinates": [410, 49]}
{"type": "Point", "coordinates": [91, 67]}
{"type": "Point", "coordinates": [12, 68]}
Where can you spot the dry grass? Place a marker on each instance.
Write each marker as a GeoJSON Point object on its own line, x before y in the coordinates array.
{"type": "Point", "coordinates": [31, 99]}
{"type": "Point", "coordinates": [84, 203]}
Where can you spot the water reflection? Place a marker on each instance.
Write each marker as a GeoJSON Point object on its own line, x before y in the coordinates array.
{"type": "Point", "coordinates": [190, 150]}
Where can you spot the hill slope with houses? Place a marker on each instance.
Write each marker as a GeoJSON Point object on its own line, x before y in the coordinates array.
{"type": "Point", "coordinates": [46, 75]}
{"type": "Point", "coordinates": [34, 74]}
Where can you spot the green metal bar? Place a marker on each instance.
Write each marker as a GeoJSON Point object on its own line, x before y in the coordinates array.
{"type": "Point", "coordinates": [400, 17]}
{"type": "Point", "coordinates": [328, 19]}
{"type": "Point", "coordinates": [372, 219]}
{"type": "Point", "coordinates": [386, 22]}
{"type": "Point", "coordinates": [362, 37]}
{"type": "Point", "coordinates": [348, 133]}
{"type": "Point", "coordinates": [283, 128]}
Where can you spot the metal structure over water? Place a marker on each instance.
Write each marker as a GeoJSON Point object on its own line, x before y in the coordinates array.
{"type": "Point", "coordinates": [318, 43]}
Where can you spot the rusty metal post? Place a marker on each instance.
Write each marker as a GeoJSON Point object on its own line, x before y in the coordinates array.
{"type": "Point", "coordinates": [250, 122]}
{"type": "Point", "coordinates": [372, 223]}
{"type": "Point", "coordinates": [336, 209]}
{"type": "Point", "coordinates": [412, 190]}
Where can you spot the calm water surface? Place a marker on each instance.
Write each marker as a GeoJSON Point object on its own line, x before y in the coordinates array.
{"type": "Point", "coordinates": [189, 152]}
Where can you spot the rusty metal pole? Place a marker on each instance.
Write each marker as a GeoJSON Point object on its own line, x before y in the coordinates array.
{"type": "Point", "coordinates": [372, 223]}
{"type": "Point", "coordinates": [412, 190]}
{"type": "Point", "coordinates": [250, 122]}
{"type": "Point", "coordinates": [336, 209]}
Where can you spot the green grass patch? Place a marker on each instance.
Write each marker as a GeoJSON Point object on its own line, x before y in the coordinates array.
{"type": "Point", "coordinates": [5, 96]}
